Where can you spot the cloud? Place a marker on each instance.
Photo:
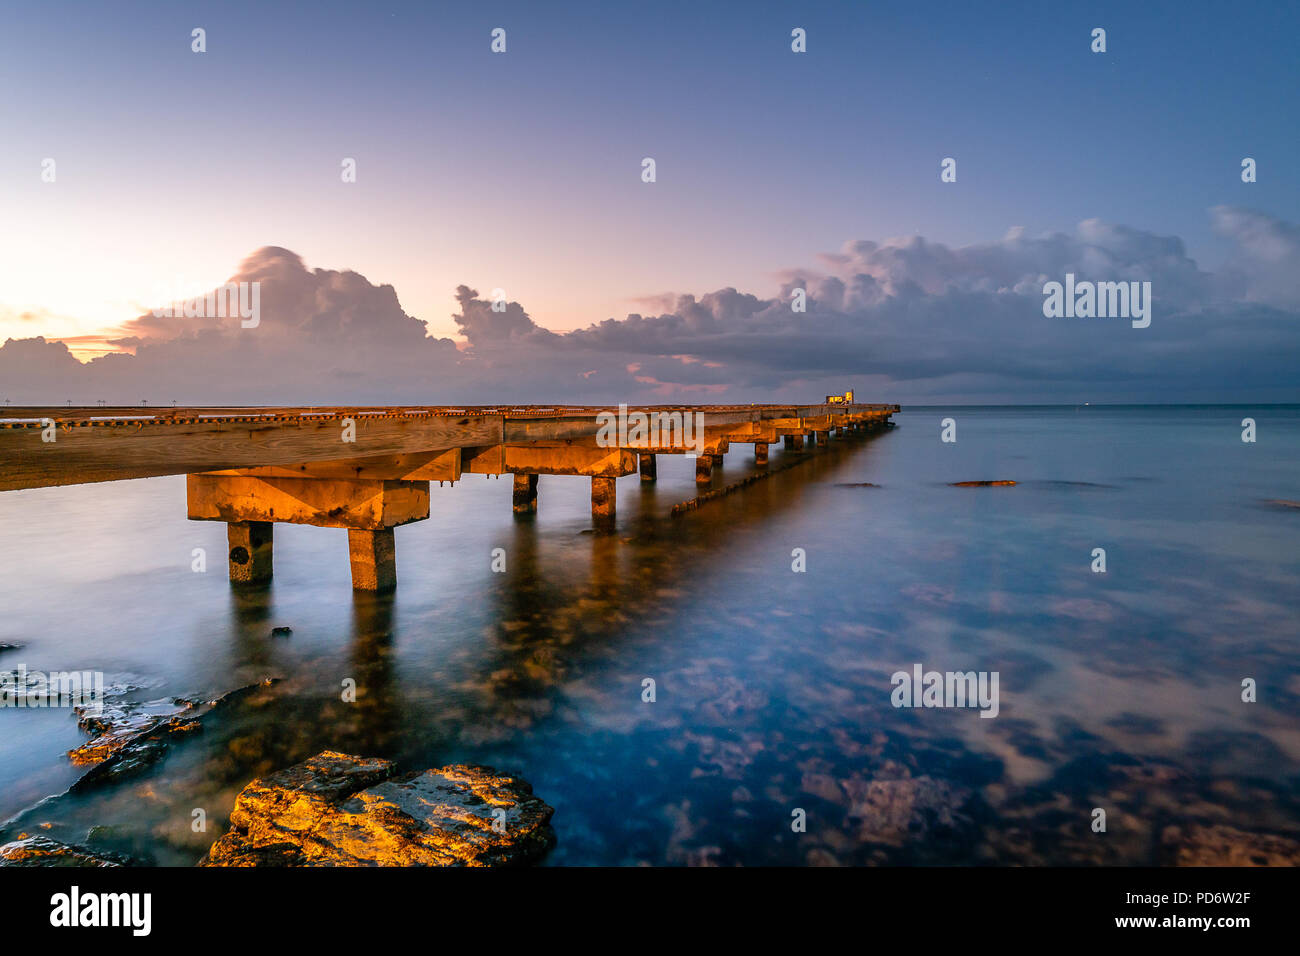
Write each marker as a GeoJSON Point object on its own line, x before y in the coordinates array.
{"type": "Point", "coordinates": [486, 328]}
{"type": "Point", "coordinates": [900, 319]}
{"type": "Point", "coordinates": [1267, 266]}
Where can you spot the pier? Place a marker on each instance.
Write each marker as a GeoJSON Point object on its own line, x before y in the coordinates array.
{"type": "Point", "coordinates": [369, 469]}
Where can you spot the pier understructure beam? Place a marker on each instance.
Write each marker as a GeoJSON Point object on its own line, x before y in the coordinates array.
{"type": "Point", "coordinates": [368, 508]}
{"type": "Point", "coordinates": [580, 458]}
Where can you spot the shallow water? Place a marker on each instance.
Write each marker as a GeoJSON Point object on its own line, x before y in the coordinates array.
{"type": "Point", "coordinates": [1119, 690]}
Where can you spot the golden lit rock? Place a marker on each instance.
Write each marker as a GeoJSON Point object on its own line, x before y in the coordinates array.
{"type": "Point", "coordinates": [339, 810]}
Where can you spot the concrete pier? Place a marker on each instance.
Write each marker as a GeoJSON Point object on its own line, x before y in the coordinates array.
{"type": "Point", "coordinates": [374, 559]}
{"type": "Point", "coordinates": [703, 469]}
{"type": "Point", "coordinates": [603, 501]}
{"type": "Point", "coordinates": [252, 468]}
{"type": "Point", "coordinates": [525, 494]}
{"type": "Point", "coordinates": [251, 545]}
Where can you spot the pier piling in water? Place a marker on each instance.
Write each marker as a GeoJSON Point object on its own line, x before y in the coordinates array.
{"type": "Point", "coordinates": [374, 559]}
{"type": "Point", "coordinates": [525, 494]}
{"type": "Point", "coordinates": [648, 468]}
{"type": "Point", "coordinates": [760, 453]}
{"type": "Point", "coordinates": [251, 546]}
{"type": "Point", "coordinates": [703, 469]}
{"type": "Point", "coordinates": [603, 501]}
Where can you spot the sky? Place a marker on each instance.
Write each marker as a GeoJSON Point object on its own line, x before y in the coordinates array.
{"type": "Point", "coordinates": [522, 171]}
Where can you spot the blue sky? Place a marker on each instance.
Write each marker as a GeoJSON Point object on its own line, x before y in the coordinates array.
{"type": "Point", "coordinates": [521, 170]}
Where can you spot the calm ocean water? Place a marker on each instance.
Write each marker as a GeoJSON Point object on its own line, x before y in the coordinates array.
{"type": "Point", "coordinates": [1119, 690]}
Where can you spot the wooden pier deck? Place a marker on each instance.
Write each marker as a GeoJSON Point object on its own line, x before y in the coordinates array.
{"type": "Point", "coordinates": [368, 469]}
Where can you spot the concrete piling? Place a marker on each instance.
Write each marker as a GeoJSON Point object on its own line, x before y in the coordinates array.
{"type": "Point", "coordinates": [525, 494]}
{"type": "Point", "coordinates": [374, 559]}
{"type": "Point", "coordinates": [603, 500]}
{"type": "Point", "coordinates": [703, 469]}
{"type": "Point", "coordinates": [251, 547]}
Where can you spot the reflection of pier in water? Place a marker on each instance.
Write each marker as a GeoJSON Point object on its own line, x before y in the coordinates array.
{"type": "Point", "coordinates": [253, 467]}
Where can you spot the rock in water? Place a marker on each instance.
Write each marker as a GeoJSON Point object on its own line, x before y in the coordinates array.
{"type": "Point", "coordinates": [1220, 845]}
{"type": "Point", "coordinates": [118, 725]}
{"type": "Point", "coordinates": [42, 851]}
{"type": "Point", "coordinates": [339, 810]}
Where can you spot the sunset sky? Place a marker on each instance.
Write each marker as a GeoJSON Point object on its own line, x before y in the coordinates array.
{"type": "Point", "coordinates": [522, 170]}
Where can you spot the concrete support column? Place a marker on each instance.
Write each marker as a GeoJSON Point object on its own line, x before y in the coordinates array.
{"type": "Point", "coordinates": [374, 559]}
{"type": "Point", "coordinates": [760, 452]}
{"type": "Point", "coordinates": [716, 460]}
{"type": "Point", "coordinates": [796, 442]}
{"type": "Point", "coordinates": [250, 551]}
{"type": "Point", "coordinates": [703, 469]}
{"type": "Point", "coordinates": [525, 495]}
{"type": "Point", "coordinates": [603, 500]}
{"type": "Point", "coordinates": [648, 466]}
{"type": "Point", "coordinates": [789, 442]}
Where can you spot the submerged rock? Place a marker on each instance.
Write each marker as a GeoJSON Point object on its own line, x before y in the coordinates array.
{"type": "Point", "coordinates": [128, 749]}
{"type": "Point", "coordinates": [1219, 845]}
{"type": "Point", "coordinates": [42, 851]}
{"type": "Point", "coordinates": [895, 808]}
{"type": "Point", "coordinates": [339, 810]}
{"type": "Point", "coordinates": [117, 725]}
{"type": "Point", "coordinates": [134, 754]}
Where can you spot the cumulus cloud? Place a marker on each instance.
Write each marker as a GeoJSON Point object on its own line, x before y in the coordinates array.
{"type": "Point", "coordinates": [900, 319]}
{"type": "Point", "coordinates": [1267, 266]}
{"type": "Point", "coordinates": [484, 327]}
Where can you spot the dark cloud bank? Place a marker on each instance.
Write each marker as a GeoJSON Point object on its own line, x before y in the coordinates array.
{"type": "Point", "coordinates": [903, 320]}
